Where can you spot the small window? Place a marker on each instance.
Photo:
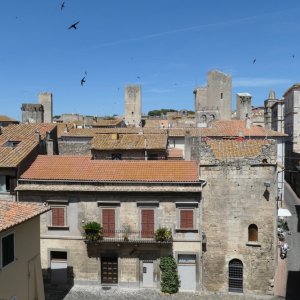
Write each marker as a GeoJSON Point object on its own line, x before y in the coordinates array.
{"type": "Point", "coordinates": [252, 233]}
{"type": "Point", "coordinates": [221, 96]}
{"type": "Point", "coordinates": [58, 216]}
{"type": "Point", "coordinates": [8, 249]}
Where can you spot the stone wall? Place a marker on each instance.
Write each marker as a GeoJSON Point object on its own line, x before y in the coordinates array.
{"type": "Point", "coordinates": [76, 146]}
{"type": "Point", "coordinates": [234, 198]}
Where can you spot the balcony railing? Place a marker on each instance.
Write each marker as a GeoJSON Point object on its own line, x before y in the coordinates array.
{"type": "Point", "coordinates": [125, 236]}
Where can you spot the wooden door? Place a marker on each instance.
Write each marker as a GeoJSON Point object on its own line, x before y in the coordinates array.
{"type": "Point", "coordinates": [109, 270]}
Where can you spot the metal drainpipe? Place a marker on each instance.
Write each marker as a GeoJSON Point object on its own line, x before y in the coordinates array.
{"type": "Point", "coordinates": [200, 232]}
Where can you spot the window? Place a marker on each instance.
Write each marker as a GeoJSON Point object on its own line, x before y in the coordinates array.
{"type": "Point", "coordinates": [147, 223]}
{"type": "Point", "coordinates": [59, 216]}
{"type": "Point", "coordinates": [8, 249]}
{"type": "Point", "coordinates": [235, 276]}
{"type": "Point", "coordinates": [7, 184]}
{"type": "Point", "coordinates": [221, 96]}
{"type": "Point", "coordinates": [252, 233]}
{"type": "Point", "coordinates": [186, 218]}
{"type": "Point", "coordinates": [108, 222]}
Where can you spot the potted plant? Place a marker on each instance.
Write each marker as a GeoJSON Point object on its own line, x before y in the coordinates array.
{"type": "Point", "coordinates": [93, 231]}
{"type": "Point", "coordinates": [163, 234]}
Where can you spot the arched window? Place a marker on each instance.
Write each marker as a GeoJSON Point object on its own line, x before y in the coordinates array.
{"type": "Point", "coordinates": [235, 276]}
{"type": "Point", "coordinates": [252, 233]}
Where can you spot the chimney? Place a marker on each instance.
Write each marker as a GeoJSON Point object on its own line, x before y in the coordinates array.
{"type": "Point", "coordinates": [37, 136]}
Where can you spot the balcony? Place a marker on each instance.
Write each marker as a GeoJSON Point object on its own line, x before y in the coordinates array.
{"type": "Point", "coordinates": [125, 236]}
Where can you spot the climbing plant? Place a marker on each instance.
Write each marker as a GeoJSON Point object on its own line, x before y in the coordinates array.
{"type": "Point", "coordinates": [170, 282]}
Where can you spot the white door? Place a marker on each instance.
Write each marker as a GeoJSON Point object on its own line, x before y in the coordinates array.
{"type": "Point", "coordinates": [147, 274]}
{"type": "Point", "coordinates": [187, 277]}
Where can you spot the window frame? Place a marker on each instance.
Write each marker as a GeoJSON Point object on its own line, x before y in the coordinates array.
{"type": "Point", "coordinates": [144, 208]}
{"type": "Point", "coordinates": [1, 248]}
{"type": "Point", "coordinates": [53, 226]}
{"type": "Point", "coordinates": [113, 234]}
{"type": "Point", "coordinates": [192, 206]}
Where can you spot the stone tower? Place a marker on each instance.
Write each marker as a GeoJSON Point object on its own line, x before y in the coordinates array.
{"type": "Point", "coordinates": [214, 100]}
{"type": "Point", "coordinates": [32, 113]}
{"type": "Point", "coordinates": [133, 105]}
{"type": "Point", "coordinates": [243, 106]}
{"type": "Point", "coordinates": [46, 100]}
{"type": "Point", "coordinates": [268, 103]}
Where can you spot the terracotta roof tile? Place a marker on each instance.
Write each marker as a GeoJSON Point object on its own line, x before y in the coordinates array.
{"type": "Point", "coordinates": [13, 213]}
{"type": "Point", "coordinates": [175, 153]}
{"type": "Point", "coordinates": [83, 168]}
{"type": "Point", "coordinates": [4, 118]}
{"type": "Point", "coordinates": [235, 148]}
{"type": "Point", "coordinates": [117, 141]}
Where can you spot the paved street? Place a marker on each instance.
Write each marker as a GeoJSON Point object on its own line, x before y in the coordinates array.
{"type": "Point", "coordinates": [292, 202]}
{"type": "Point", "coordinates": [96, 293]}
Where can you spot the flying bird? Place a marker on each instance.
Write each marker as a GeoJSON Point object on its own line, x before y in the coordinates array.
{"type": "Point", "coordinates": [62, 6]}
{"type": "Point", "coordinates": [74, 25]}
{"type": "Point", "coordinates": [82, 81]}
{"type": "Point", "coordinates": [138, 77]}
{"type": "Point", "coordinates": [293, 55]}
{"type": "Point", "coordinates": [254, 60]}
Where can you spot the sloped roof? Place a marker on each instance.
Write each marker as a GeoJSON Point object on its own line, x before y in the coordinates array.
{"type": "Point", "coordinates": [4, 118]}
{"type": "Point", "coordinates": [175, 153]}
{"type": "Point", "coordinates": [228, 128]}
{"type": "Point", "coordinates": [129, 141]}
{"type": "Point", "coordinates": [17, 141]}
{"type": "Point", "coordinates": [236, 148]}
{"type": "Point", "coordinates": [83, 168]}
{"type": "Point", "coordinates": [13, 213]}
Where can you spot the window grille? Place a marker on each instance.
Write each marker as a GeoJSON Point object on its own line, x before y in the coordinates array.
{"type": "Point", "coordinates": [235, 276]}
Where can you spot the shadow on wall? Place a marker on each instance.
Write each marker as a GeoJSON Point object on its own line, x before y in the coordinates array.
{"type": "Point", "coordinates": [56, 286]}
{"type": "Point", "coordinates": [293, 286]}
{"type": "Point", "coordinates": [298, 224]}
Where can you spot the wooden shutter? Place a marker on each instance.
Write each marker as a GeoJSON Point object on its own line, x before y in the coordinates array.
{"type": "Point", "coordinates": [147, 223]}
{"type": "Point", "coordinates": [58, 216]}
{"type": "Point", "coordinates": [108, 222]}
{"type": "Point", "coordinates": [252, 233]}
{"type": "Point", "coordinates": [186, 218]}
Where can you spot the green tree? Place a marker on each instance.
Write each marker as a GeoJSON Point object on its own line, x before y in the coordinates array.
{"type": "Point", "coordinates": [170, 282]}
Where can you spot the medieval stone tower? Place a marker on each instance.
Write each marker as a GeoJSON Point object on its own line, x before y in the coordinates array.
{"type": "Point", "coordinates": [38, 113]}
{"type": "Point", "coordinates": [214, 100]}
{"type": "Point", "coordinates": [46, 100]}
{"type": "Point", "coordinates": [268, 103]}
{"type": "Point", "coordinates": [243, 106]}
{"type": "Point", "coordinates": [133, 105]}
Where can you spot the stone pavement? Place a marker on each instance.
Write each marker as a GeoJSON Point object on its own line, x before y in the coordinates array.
{"type": "Point", "coordinates": [82, 292]}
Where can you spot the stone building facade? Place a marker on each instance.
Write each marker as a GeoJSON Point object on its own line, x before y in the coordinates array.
{"type": "Point", "coordinates": [292, 129]}
{"type": "Point", "coordinates": [243, 106]}
{"type": "Point", "coordinates": [131, 205]}
{"type": "Point", "coordinates": [213, 102]}
{"type": "Point", "coordinates": [38, 113]}
{"type": "Point", "coordinates": [133, 105]}
{"type": "Point", "coordinates": [239, 214]}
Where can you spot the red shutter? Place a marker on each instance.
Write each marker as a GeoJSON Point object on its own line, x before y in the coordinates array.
{"type": "Point", "coordinates": [108, 222]}
{"type": "Point", "coordinates": [58, 216]}
{"type": "Point", "coordinates": [147, 223]}
{"type": "Point", "coordinates": [187, 218]}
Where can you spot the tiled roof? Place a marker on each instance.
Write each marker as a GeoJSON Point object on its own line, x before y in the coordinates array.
{"type": "Point", "coordinates": [236, 148]}
{"type": "Point", "coordinates": [97, 131]}
{"type": "Point", "coordinates": [175, 153]}
{"type": "Point", "coordinates": [11, 157]}
{"type": "Point", "coordinates": [100, 122]}
{"type": "Point", "coordinates": [13, 213]}
{"type": "Point", "coordinates": [129, 141]}
{"type": "Point", "coordinates": [83, 168]}
{"type": "Point", "coordinates": [156, 123]}
{"type": "Point", "coordinates": [17, 141]}
{"type": "Point", "coordinates": [230, 128]}
{"type": "Point", "coordinates": [25, 131]}
{"type": "Point", "coordinates": [6, 119]}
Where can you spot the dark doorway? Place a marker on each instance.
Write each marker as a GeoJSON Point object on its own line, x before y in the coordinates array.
{"type": "Point", "coordinates": [236, 276]}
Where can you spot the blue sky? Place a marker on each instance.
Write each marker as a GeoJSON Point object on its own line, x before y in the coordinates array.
{"type": "Point", "coordinates": [166, 46]}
